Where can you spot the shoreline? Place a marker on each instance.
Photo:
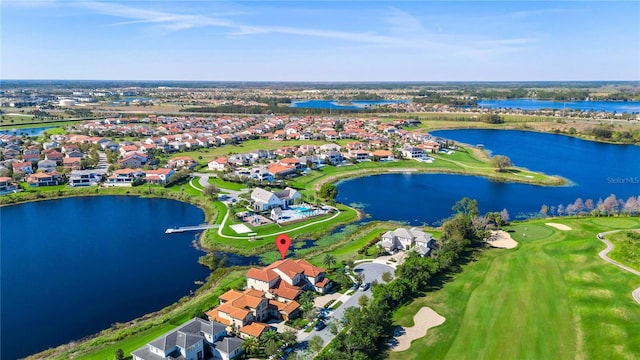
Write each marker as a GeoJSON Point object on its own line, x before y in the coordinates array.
{"type": "Point", "coordinates": [338, 178]}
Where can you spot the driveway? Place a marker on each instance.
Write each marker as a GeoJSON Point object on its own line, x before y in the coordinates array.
{"type": "Point", "coordinates": [372, 271]}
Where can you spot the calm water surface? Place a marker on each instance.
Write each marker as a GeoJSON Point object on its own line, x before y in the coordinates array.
{"type": "Point", "coordinates": [72, 267]}
{"type": "Point", "coordinates": [532, 104]}
{"type": "Point", "coordinates": [595, 170]}
{"type": "Point", "coordinates": [334, 104]}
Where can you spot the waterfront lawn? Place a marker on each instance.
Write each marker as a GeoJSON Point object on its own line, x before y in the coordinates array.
{"type": "Point", "coordinates": [550, 298]}
{"type": "Point", "coordinates": [266, 234]}
{"type": "Point", "coordinates": [463, 161]}
{"type": "Point", "coordinates": [626, 248]}
{"type": "Point", "coordinates": [131, 338]}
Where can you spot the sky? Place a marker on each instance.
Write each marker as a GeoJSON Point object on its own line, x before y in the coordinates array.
{"type": "Point", "coordinates": [320, 40]}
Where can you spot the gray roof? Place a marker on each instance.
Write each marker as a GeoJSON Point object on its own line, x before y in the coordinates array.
{"type": "Point", "coordinates": [403, 233]}
{"type": "Point", "coordinates": [228, 344]}
{"type": "Point", "coordinates": [261, 195]}
{"type": "Point", "coordinates": [287, 193]}
{"type": "Point", "coordinates": [183, 337]}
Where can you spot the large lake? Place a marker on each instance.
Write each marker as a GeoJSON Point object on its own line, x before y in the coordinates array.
{"type": "Point", "coordinates": [336, 105]}
{"type": "Point", "coordinates": [595, 170]}
{"type": "Point", "coordinates": [533, 104]}
{"type": "Point", "coordinates": [72, 267]}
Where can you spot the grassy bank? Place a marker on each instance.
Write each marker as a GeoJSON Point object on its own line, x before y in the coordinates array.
{"type": "Point", "coordinates": [464, 161]}
{"type": "Point", "coordinates": [626, 248]}
{"type": "Point", "coordinates": [264, 239]}
{"type": "Point", "coordinates": [550, 298]}
{"type": "Point", "coordinates": [134, 334]}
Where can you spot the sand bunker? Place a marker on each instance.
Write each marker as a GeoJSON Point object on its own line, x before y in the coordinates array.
{"type": "Point", "coordinates": [558, 226]}
{"type": "Point", "coordinates": [501, 239]}
{"type": "Point", "coordinates": [424, 320]}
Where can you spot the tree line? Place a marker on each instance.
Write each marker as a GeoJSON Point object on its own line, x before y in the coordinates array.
{"type": "Point", "coordinates": [366, 330]}
{"type": "Point", "coordinates": [609, 206]}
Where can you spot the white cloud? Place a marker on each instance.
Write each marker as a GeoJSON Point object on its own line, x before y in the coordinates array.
{"type": "Point", "coordinates": [403, 30]}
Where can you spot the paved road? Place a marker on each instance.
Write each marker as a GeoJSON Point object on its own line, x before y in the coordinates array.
{"type": "Point", "coordinates": [371, 271]}
{"type": "Point", "coordinates": [603, 254]}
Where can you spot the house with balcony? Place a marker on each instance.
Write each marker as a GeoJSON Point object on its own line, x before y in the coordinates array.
{"type": "Point", "coordinates": [44, 179]}
{"type": "Point", "coordinates": [85, 178]}
{"type": "Point", "coordinates": [7, 185]}
{"type": "Point", "coordinates": [124, 177]}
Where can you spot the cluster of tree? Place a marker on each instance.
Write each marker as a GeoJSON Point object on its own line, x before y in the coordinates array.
{"type": "Point", "coordinates": [269, 343]}
{"type": "Point", "coordinates": [328, 191]}
{"type": "Point", "coordinates": [500, 162]}
{"type": "Point", "coordinates": [369, 327]}
{"type": "Point", "coordinates": [609, 206]}
{"type": "Point", "coordinates": [491, 118]}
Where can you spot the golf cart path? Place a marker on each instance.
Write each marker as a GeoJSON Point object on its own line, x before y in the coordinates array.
{"type": "Point", "coordinates": [603, 254]}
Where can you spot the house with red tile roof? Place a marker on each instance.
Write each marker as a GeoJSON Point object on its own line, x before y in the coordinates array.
{"type": "Point", "coordinates": [286, 279]}
{"type": "Point", "coordinates": [241, 309]}
{"type": "Point", "coordinates": [44, 179]}
{"type": "Point", "coordinates": [7, 185]}
{"type": "Point", "coordinates": [22, 167]}
{"type": "Point", "coordinates": [72, 163]}
{"type": "Point", "coordinates": [218, 164]}
{"type": "Point", "coordinates": [161, 176]}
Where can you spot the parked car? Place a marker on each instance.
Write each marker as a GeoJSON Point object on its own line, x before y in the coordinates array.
{"type": "Point", "coordinates": [365, 286]}
{"type": "Point", "coordinates": [320, 325]}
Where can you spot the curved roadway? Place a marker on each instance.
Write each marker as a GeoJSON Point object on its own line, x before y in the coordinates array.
{"type": "Point", "coordinates": [603, 254]}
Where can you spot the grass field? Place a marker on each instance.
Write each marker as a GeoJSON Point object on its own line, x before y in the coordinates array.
{"type": "Point", "coordinates": [626, 248]}
{"type": "Point", "coordinates": [550, 298]}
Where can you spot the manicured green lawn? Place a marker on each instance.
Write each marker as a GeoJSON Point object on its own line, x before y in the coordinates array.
{"type": "Point", "coordinates": [626, 248]}
{"type": "Point", "coordinates": [264, 238]}
{"type": "Point", "coordinates": [550, 298]}
{"type": "Point", "coordinates": [226, 184]}
{"type": "Point", "coordinates": [104, 347]}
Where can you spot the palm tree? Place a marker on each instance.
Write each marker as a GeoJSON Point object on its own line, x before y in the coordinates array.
{"type": "Point", "coordinates": [329, 260]}
{"type": "Point", "coordinates": [271, 336]}
{"type": "Point", "coordinates": [251, 345]}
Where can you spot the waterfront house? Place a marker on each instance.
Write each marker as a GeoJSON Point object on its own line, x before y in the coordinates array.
{"type": "Point", "coordinates": [7, 185]}
{"type": "Point", "coordinates": [264, 200]}
{"type": "Point", "coordinates": [412, 152]}
{"type": "Point", "coordinates": [44, 179]}
{"type": "Point", "coordinates": [124, 177]}
{"type": "Point", "coordinates": [161, 176]}
{"type": "Point", "coordinates": [286, 279]}
{"type": "Point", "coordinates": [188, 342]}
{"type": "Point", "coordinates": [85, 178]}
{"type": "Point", "coordinates": [403, 239]}
{"type": "Point", "coordinates": [383, 155]}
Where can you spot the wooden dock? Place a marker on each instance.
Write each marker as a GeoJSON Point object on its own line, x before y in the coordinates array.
{"type": "Point", "coordinates": [190, 228]}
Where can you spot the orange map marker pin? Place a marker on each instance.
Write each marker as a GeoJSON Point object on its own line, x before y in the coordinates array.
{"type": "Point", "coordinates": [283, 241]}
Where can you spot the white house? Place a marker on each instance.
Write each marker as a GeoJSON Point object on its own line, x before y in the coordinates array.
{"type": "Point", "coordinates": [264, 200]}
{"type": "Point", "coordinates": [217, 164]}
{"type": "Point", "coordinates": [188, 342]}
{"type": "Point", "coordinates": [411, 152]}
{"type": "Point", "coordinates": [403, 239]}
